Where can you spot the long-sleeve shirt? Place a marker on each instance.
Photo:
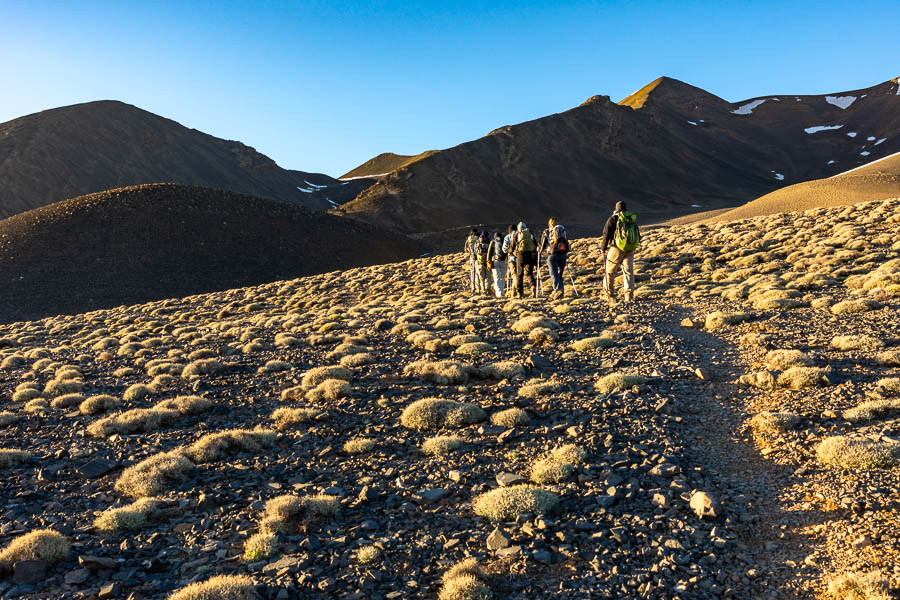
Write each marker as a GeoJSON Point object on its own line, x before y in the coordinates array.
{"type": "Point", "coordinates": [609, 231]}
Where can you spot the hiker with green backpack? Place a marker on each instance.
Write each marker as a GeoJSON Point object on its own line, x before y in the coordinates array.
{"type": "Point", "coordinates": [622, 236]}
{"type": "Point", "coordinates": [526, 258]}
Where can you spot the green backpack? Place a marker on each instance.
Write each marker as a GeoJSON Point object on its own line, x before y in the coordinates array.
{"type": "Point", "coordinates": [526, 242]}
{"type": "Point", "coordinates": [627, 237]}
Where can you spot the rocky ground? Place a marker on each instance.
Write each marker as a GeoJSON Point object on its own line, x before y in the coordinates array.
{"type": "Point", "coordinates": [669, 452]}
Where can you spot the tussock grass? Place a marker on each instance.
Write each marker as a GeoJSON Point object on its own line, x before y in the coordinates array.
{"type": "Point", "coordinates": [60, 387]}
{"type": "Point", "coordinates": [536, 388]}
{"type": "Point", "coordinates": [275, 366]}
{"type": "Point", "coordinates": [719, 320]}
{"type": "Point", "coordinates": [873, 409]}
{"type": "Point", "coordinates": [507, 503]}
{"type": "Point", "coordinates": [359, 446]}
{"type": "Point", "coordinates": [287, 513]}
{"type": "Point", "coordinates": [357, 360]}
{"type": "Point", "coordinates": [67, 400]}
{"type": "Point", "coordinates": [220, 587]}
{"type": "Point", "coordinates": [465, 581]}
{"type": "Point", "coordinates": [136, 392]}
{"type": "Point", "coordinates": [13, 361]}
{"type": "Point", "coordinates": [542, 335]}
{"type": "Point", "coordinates": [441, 445]}
{"type": "Point", "coordinates": [127, 518]}
{"type": "Point", "coordinates": [7, 418]}
{"type": "Point", "coordinates": [206, 366]}
{"type": "Point", "coordinates": [857, 453]}
{"type": "Point", "coordinates": [435, 413]}
{"type": "Point", "coordinates": [318, 375]}
{"type": "Point", "coordinates": [154, 474]}
{"type": "Point", "coordinates": [511, 417]}
{"type": "Point", "coordinates": [25, 394]}
{"type": "Point", "coordinates": [42, 544]}
{"type": "Point", "coordinates": [856, 342]}
{"type": "Point", "coordinates": [856, 306]}
{"type": "Point", "coordinates": [329, 390]}
{"type": "Point", "coordinates": [10, 457]}
{"type": "Point", "coordinates": [762, 380]}
{"type": "Point", "coordinates": [464, 338]}
{"type": "Point", "coordinates": [38, 405]}
{"type": "Point", "coordinates": [137, 420]}
{"type": "Point", "coordinates": [774, 422]}
{"type": "Point", "coordinates": [260, 546]}
{"type": "Point", "coordinates": [185, 405]}
{"type": "Point", "coordinates": [367, 555]}
{"type": "Point", "coordinates": [504, 369]}
{"type": "Point", "coordinates": [473, 349]}
{"type": "Point", "coordinates": [95, 405]}
{"type": "Point", "coordinates": [527, 324]}
{"type": "Point", "coordinates": [798, 378]}
{"type": "Point", "coordinates": [873, 585]}
{"type": "Point", "coordinates": [616, 382]}
{"type": "Point", "coordinates": [222, 444]}
{"type": "Point", "coordinates": [780, 360]}
{"type": "Point", "coordinates": [558, 465]}
{"type": "Point", "coordinates": [591, 343]}
{"type": "Point", "coordinates": [286, 418]}
{"type": "Point", "coordinates": [889, 358]}
{"type": "Point", "coordinates": [445, 372]}
{"type": "Point", "coordinates": [755, 339]}
{"type": "Point", "coordinates": [890, 384]}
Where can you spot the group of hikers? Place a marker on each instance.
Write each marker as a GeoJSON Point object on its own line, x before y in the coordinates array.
{"type": "Point", "coordinates": [500, 263]}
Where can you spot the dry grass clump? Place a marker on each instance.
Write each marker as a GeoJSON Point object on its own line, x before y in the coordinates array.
{"type": "Point", "coordinates": [798, 378]}
{"type": "Point", "coordinates": [465, 581]}
{"type": "Point", "coordinates": [95, 405]}
{"type": "Point", "coordinates": [755, 338]}
{"type": "Point", "coordinates": [434, 413]}
{"type": "Point", "coordinates": [504, 369]}
{"type": "Point", "coordinates": [889, 358]}
{"type": "Point", "coordinates": [511, 417]}
{"type": "Point", "coordinates": [185, 405]}
{"type": "Point", "coordinates": [131, 517]}
{"type": "Point", "coordinates": [859, 305]}
{"type": "Point", "coordinates": [286, 417]}
{"type": "Point", "coordinates": [857, 453]}
{"type": "Point", "coordinates": [136, 392]}
{"type": "Point", "coordinates": [615, 382]}
{"type": "Point", "coordinates": [13, 361]}
{"type": "Point", "coordinates": [441, 445]}
{"type": "Point", "coordinates": [357, 360]}
{"type": "Point", "coordinates": [220, 587]}
{"type": "Point", "coordinates": [856, 342]}
{"type": "Point", "coordinates": [542, 335]}
{"type": "Point", "coordinates": [526, 324]}
{"type": "Point", "coordinates": [286, 514]}
{"type": "Point", "coordinates": [25, 394]}
{"type": "Point", "coordinates": [762, 380]}
{"type": "Point", "coordinates": [535, 388]}
{"type": "Point", "coordinates": [873, 409]}
{"type": "Point", "coordinates": [473, 349]}
{"type": "Point", "coordinates": [60, 387]}
{"type": "Point", "coordinates": [359, 446]}
{"type": "Point", "coordinates": [261, 545]}
{"type": "Point", "coordinates": [780, 360]}
{"type": "Point", "coordinates": [42, 544]}
{"type": "Point", "coordinates": [38, 405]}
{"type": "Point", "coordinates": [444, 372]}
{"type": "Point", "coordinates": [154, 474]}
{"type": "Point", "coordinates": [585, 344]}
{"type": "Point", "coordinates": [890, 384]}
{"type": "Point", "coordinates": [873, 585]}
{"type": "Point", "coordinates": [329, 390]}
{"type": "Point", "coordinates": [275, 366]}
{"type": "Point", "coordinates": [774, 422]}
{"type": "Point", "coordinates": [776, 303]}
{"type": "Point", "coordinates": [367, 555]}
{"type": "Point", "coordinates": [558, 465]}
{"type": "Point", "coordinates": [219, 445]}
{"type": "Point", "coordinates": [7, 418]}
{"type": "Point", "coordinates": [10, 457]}
{"type": "Point", "coordinates": [718, 319]}
{"type": "Point", "coordinates": [136, 420]}
{"type": "Point", "coordinates": [507, 503]}
{"type": "Point", "coordinates": [206, 366]}
{"type": "Point", "coordinates": [317, 375]}
{"type": "Point", "coordinates": [67, 400]}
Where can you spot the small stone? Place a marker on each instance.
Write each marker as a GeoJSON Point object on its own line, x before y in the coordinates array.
{"type": "Point", "coordinates": [96, 563]}
{"type": "Point", "coordinates": [689, 323]}
{"type": "Point", "coordinates": [509, 552]}
{"type": "Point", "coordinates": [77, 576]}
{"type": "Point", "coordinates": [454, 475]}
{"type": "Point", "coordinates": [702, 374]}
{"type": "Point", "coordinates": [498, 539]}
{"type": "Point", "coordinates": [538, 362]}
{"type": "Point", "coordinates": [430, 496]}
{"type": "Point", "coordinates": [183, 527]}
{"type": "Point", "coordinates": [508, 479]}
{"type": "Point", "coordinates": [862, 542]}
{"type": "Point", "coordinates": [109, 590]}
{"type": "Point", "coordinates": [665, 470]}
{"type": "Point", "coordinates": [543, 556]}
{"type": "Point", "coordinates": [29, 571]}
{"type": "Point", "coordinates": [704, 505]}
{"type": "Point", "coordinates": [97, 468]}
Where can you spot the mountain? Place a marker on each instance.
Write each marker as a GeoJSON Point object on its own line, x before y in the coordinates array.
{"type": "Point", "coordinates": [878, 180]}
{"type": "Point", "coordinates": [384, 163]}
{"type": "Point", "coordinates": [65, 152]}
{"type": "Point", "coordinates": [165, 240]}
{"type": "Point", "coordinates": [668, 149]}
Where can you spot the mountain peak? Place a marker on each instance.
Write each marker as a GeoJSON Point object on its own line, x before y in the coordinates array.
{"type": "Point", "coordinates": [669, 90]}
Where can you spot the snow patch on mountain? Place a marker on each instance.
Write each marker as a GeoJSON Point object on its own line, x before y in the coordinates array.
{"type": "Point", "coordinates": [879, 141]}
{"type": "Point", "coordinates": [842, 102]}
{"type": "Point", "coordinates": [819, 128]}
{"type": "Point", "coordinates": [864, 153]}
{"type": "Point", "coordinates": [778, 176]}
{"type": "Point", "coordinates": [851, 134]}
{"type": "Point", "coordinates": [748, 108]}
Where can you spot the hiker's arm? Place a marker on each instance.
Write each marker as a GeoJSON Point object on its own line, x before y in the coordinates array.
{"type": "Point", "coordinates": [607, 233]}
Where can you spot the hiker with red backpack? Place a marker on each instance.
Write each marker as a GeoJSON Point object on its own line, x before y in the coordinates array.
{"type": "Point", "coordinates": [622, 236]}
{"type": "Point", "coordinates": [526, 258]}
{"type": "Point", "coordinates": [555, 245]}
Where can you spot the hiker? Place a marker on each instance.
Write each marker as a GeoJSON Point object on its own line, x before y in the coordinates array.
{"type": "Point", "coordinates": [510, 259]}
{"type": "Point", "coordinates": [484, 272]}
{"type": "Point", "coordinates": [469, 249]}
{"type": "Point", "coordinates": [526, 258]}
{"type": "Point", "coordinates": [622, 237]}
{"type": "Point", "coordinates": [555, 245]}
{"type": "Point", "coordinates": [497, 263]}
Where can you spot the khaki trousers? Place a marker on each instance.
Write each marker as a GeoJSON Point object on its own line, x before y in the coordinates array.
{"type": "Point", "coordinates": [619, 259]}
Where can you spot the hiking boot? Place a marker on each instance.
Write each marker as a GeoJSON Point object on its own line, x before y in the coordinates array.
{"type": "Point", "coordinates": [629, 297]}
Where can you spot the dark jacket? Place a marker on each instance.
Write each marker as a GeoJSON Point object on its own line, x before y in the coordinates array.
{"type": "Point", "coordinates": [609, 231]}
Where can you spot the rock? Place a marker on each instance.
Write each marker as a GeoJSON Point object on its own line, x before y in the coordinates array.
{"type": "Point", "coordinates": [704, 505]}
{"type": "Point", "coordinates": [543, 556]}
{"type": "Point", "coordinates": [430, 496]}
{"type": "Point", "coordinates": [702, 374]}
{"type": "Point", "coordinates": [507, 479]}
{"type": "Point", "coordinates": [509, 551]}
{"type": "Point", "coordinates": [95, 563]}
{"type": "Point", "coordinates": [862, 542]}
{"type": "Point", "coordinates": [537, 362]}
{"type": "Point", "coordinates": [109, 590]}
{"type": "Point", "coordinates": [97, 468]}
{"type": "Point", "coordinates": [77, 576]}
{"type": "Point", "coordinates": [498, 539]}
{"type": "Point", "coordinates": [29, 571]}
{"type": "Point", "coordinates": [665, 470]}
{"type": "Point", "coordinates": [454, 475]}
{"type": "Point", "coordinates": [689, 323]}
{"type": "Point", "coordinates": [660, 500]}
{"type": "Point", "coordinates": [183, 527]}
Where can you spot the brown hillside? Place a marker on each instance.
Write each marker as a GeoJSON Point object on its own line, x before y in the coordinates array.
{"type": "Point", "coordinates": [159, 241]}
{"type": "Point", "coordinates": [66, 152]}
{"type": "Point", "coordinates": [385, 163]}
{"type": "Point", "coordinates": [671, 149]}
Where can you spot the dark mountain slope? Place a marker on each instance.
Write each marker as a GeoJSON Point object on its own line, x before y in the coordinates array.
{"type": "Point", "coordinates": [385, 163]}
{"type": "Point", "coordinates": [668, 150]}
{"type": "Point", "coordinates": [159, 241]}
{"type": "Point", "coordinates": [65, 152]}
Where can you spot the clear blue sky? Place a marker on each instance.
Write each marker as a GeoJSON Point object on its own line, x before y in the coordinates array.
{"type": "Point", "coordinates": [323, 86]}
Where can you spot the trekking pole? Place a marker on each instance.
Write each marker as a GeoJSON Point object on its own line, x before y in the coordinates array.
{"type": "Point", "coordinates": [572, 279]}
{"type": "Point", "coordinates": [540, 284]}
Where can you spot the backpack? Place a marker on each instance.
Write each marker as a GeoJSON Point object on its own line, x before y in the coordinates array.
{"type": "Point", "coordinates": [499, 254]}
{"type": "Point", "coordinates": [525, 243]}
{"type": "Point", "coordinates": [481, 248]}
{"type": "Point", "coordinates": [472, 241]}
{"type": "Point", "coordinates": [627, 237]}
{"type": "Point", "coordinates": [562, 242]}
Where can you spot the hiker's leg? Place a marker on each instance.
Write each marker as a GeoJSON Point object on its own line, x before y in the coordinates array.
{"type": "Point", "coordinates": [500, 277]}
{"type": "Point", "coordinates": [520, 274]}
{"type": "Point", "coordinates": [531, 276]}
{"type": "Point", "coordinates": [613, 262]}
{"type": "Point", "coordinates": [553, 267]}
{"type": "Point", "coordinates": [628, 274]}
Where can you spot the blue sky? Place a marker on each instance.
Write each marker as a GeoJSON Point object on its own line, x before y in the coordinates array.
{"type": "Point", "coordinates": [323, 86]}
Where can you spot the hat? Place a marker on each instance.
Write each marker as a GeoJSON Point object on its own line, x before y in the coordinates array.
{"type": "Point", "coordinates": [620, 206]}
{"type": "Point", "coordinates": [521, 226]}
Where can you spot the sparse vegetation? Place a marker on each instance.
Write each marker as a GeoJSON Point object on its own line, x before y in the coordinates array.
{"type": "Point", "coordinates": [318, 375]}
{"type": "Point", "coordinates": [507, 503]}
{"type": "Point", "coordinates": [285, 514]}
{"type": "Point", "coordinates": [511, 417]}
{"type": "Point", "coordinates": [286, 418]}
{"type": "Point", "coordinates": [441, 445]}
{"type": "Point", "coordinates": [845, 452]}
{"type": "Point", "coordinates": [873, 585]}
{"type": "Point", "coordinates": [128, 518]}
{"type": "Point", "coordinates": [797, 378]}
{"type": "Point", "coordinates": [774, 422]}
{"type": "Point", "coordinates": [445, 372]}
{"type": "Point", "coordinates": [536, 388]}
{"type": "Point", "coordinates": [435, 413]}
{"type": "Point", "coordinates": [260, 545]}
{"type": "Point", "coordinates": [856, 306]}
{"type": "Point", "coordinates": [585, 344]}
{"type": "Point", "coordinates": [329, 390]}
{"type": "Point", "coordinates": [153, 475]}
{"type": "Point", "coordinates": [465, 581]}
{"type": "Point", "coordinates": [42, 544]}
{"type": "Point", "coordinates": [220, 587]}
{"type": "Point", "coordinates": [615, 382]}
{"type": "Point", "coordinates": [873, 409]}
{"type": "Point", "coordinates": [856, 342]}
{"type": "Point", "coordinates": [100, 403]}
{"type": "Point", "coordinates": [367, 555]}
{"type": "Point", "coordinates": [10, 457]}
{"type": "Point", "coordinates": [780, 360]}
{"type": "Point", "coordinates": [719, 320]}
{"type": "Point", "coordinates": [219, 445]}
{"type": "Point", "coordinates": [359, 446]}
